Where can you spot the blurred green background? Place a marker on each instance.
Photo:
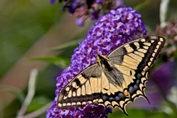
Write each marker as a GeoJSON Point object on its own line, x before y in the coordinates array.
{"type": "Point", "coordinates": [31, 29]}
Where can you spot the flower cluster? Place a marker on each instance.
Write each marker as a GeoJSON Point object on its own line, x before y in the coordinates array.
{"type": "Point", "coordinates": [169, 31]}
{"type": "Point", "coordinates": [84, 8]}
{"type": "Point", "coordinates": [109, 32]}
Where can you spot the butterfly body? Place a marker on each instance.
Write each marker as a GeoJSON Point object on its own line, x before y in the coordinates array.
{"type": "Point", "coordinates": [108, 68]}
{"type": "Point", "coordinates": [116, 79]}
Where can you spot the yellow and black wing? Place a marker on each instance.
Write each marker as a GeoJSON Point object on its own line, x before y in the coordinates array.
{"type": "Point", "coordinates": [84, 88]}
{"type": "Point", "coordinates": [134, 60]}
{"type": "Point", "coordinates": [115, 80]}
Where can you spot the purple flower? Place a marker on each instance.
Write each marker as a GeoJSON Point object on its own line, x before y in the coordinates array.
{"type": "Point", "coordinates": [52, 1]}
{"type": "Point", "coordinates": [93, 8]}
{"type": "Point", "coordinates": [109, 32]}
{"type": "Point", "coordinates": [80, 21]}
{"type": "Point", "coordinates": [169, 31]}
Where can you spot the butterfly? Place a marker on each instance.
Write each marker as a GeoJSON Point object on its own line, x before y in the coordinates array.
{"type": "Point", "coordinates": [116, 79]}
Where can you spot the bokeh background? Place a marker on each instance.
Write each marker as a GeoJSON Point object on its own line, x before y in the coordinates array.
{"type": "Point", "coordinates": [38, 35]}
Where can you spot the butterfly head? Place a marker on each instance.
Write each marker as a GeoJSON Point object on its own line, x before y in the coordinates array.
{"type": "Point", "coordinates": [101, 58]}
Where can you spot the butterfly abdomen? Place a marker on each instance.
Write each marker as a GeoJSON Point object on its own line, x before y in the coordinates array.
{"type": "Point", "coordinates": [113, 75]}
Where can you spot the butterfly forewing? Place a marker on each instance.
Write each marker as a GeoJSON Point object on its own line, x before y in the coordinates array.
{"type": "Point", "coordinates": [85, 87]}
{"type": "Point", "coordinates": [120, 79]}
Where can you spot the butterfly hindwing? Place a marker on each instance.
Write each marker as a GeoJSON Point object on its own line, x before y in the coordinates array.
{"type": "Point", "coordinates": [116, 79]}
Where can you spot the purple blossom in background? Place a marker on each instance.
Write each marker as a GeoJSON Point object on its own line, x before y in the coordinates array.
{"type": "Point", "coordinates": [52, 1]}
{"type": "Point", "coordinates": [85, 8]}
{"type": "Point", "coordinates": [109, 32]}
{"type": "Point", "coordinates": [169, 31]}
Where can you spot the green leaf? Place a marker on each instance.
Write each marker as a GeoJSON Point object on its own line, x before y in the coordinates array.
{"type": "Point", "coordinates": [17, 92]}
{"type": "Point", "coordinates": [66, 45]}
{"type": "Point", "coordinates": [139, 113]}
{"type": "Point", "coordinates": [59, 61]}
{"type": "Point", "coordinates": [142, 5]}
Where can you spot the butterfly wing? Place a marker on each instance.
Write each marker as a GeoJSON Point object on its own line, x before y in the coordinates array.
{"type": "Point", "coordinates": [134, 60]}
{"type": "Point", "coordinates": [84, 88]}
